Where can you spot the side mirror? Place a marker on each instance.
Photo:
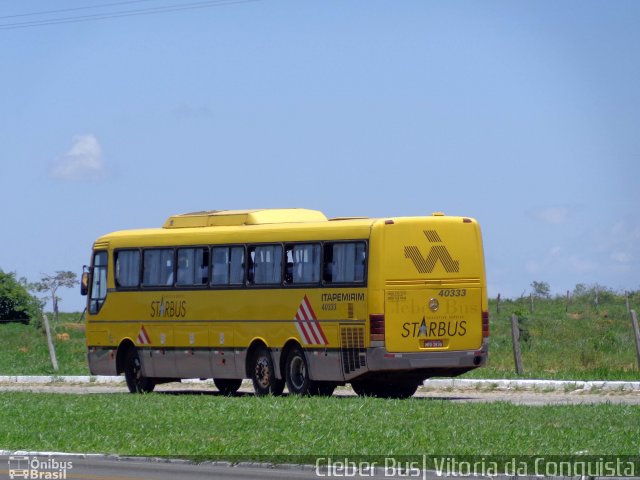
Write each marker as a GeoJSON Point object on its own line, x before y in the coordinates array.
{"type": "Point", "coordinates": [84, 284]}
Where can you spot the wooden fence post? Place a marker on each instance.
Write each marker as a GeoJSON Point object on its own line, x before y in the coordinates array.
{"type": "Point", "coordinates": [498, 304]}
{"type": "Point", "coordinates": [626, 294]}
{"type": "Point", "coordinates": [531, 302]}
{"type": "Point", "coordinates": [567, 307]}
{"type": "Point", "coordinates": [636, 332]}
{"type": "Point", "coordinates": [515, 335]}
{"type": "Point", "coordinates": [52, 350]}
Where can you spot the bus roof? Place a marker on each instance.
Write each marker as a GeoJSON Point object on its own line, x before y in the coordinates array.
{"type": "Point", "coordinates": [239, 226]}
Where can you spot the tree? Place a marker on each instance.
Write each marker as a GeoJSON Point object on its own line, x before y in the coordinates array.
{"type": "Point", "coordinates": [541, 289]}
{"type": "Point", "coordinates": [581, 290]}
{"type": "Point", "coordinates": [51, 284]}
{"type": "Point", "coordinates": [15, 301]}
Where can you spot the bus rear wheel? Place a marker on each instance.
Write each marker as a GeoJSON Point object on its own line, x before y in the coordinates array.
{"type": "Point", "coordinates": [227, 386]}
{"type": "Point", "coordinates": [297, 373]}
{"type": "Point", "coordinates": [263, 374]}
{"type": "Point", "coordinates": [136, 382]}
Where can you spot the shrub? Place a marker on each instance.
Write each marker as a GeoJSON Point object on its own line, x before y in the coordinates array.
{"type": "Point", "coordinates": [15, 301]}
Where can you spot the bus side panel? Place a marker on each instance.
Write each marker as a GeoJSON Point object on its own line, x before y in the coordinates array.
{"type": "Point", "coordinates": [325, 365]}
{"type": "Point", "coordinates": [223, 357]}
{"type": "Point", "coordinates": [192, 360]}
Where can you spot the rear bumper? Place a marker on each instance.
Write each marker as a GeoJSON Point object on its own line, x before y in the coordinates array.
{"type": "Point", "coordinates": [381, 360]}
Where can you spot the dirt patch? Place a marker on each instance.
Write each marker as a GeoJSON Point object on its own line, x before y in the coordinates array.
{"type": "Point", "coordinates": [81, 327]}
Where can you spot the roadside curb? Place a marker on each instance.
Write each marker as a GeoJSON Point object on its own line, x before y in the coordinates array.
{"type": "Point", "coordinates": [40, 379]}
{"type": "Point", "coordinates": [510, 384]}
{"type": "Point", "coordinates": [435, 383]}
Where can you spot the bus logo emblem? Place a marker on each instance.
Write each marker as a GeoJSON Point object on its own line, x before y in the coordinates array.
{"type": "Point", "coordinates": [434, 305]}
{"type": "Point", "coordinates": [437, 252]}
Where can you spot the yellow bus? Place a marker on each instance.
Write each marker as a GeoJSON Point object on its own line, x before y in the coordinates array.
{"type": "Point", "coordinates": [287, 297]}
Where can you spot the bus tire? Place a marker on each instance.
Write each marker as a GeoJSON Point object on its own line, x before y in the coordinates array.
{"type": "Point", "coordinates": [136, 382]}
{"type": "Point", "coordinates": [227, 386]}
{"type": "Point", "coordinates": [362, 389]}
{"type": "Point", "coordinates": [398, 390]}
{"type": "Point", "coordinates": [297, 373]}
{"type": "Point", "coordinates": [263, 374]}
{"type": "Point", "coordinates": [324, 389]}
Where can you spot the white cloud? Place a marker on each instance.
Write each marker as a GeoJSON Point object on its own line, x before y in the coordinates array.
{"type": "Point", "coordinates": [83, 161]}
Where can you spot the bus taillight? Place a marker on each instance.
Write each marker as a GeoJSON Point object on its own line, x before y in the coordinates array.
{"type": "Point", "coordinates": [485, 324]}
{"type": "Point", "coordinates": [376, 327]}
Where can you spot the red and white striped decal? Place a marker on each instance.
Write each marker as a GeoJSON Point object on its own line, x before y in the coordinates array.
{"type": "Point", "coordinates": [308, 326]}
{"type": "Point", "coordinates": [143, 337]}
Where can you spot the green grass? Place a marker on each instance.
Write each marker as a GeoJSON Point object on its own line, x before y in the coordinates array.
{"type": "Point", "coordinates": [578, 343]}
{"type": "Point", "coordinates": [23, 348]}
{"type": "Point", "coordinates": [212, 426]}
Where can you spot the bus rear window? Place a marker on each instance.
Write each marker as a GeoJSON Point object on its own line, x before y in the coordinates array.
{"type": "Point", "coordinates": [344, 262]}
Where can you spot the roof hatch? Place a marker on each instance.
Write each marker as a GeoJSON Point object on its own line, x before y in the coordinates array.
{"type": "Point", "coordinates": [228, 218]}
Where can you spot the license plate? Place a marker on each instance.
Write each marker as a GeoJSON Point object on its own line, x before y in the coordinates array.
{"type": "Point", "coordinates": [433, 344]}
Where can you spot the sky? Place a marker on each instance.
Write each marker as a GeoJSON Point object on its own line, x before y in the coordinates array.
{"type": "Point", "coordinates": [524, 115]}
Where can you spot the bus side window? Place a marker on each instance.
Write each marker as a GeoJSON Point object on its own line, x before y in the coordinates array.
{"type": "Point", "coordinates": [344, 262]}
{"type": "Point", "coordinates": [127, 268]}
{"type": "Point", "coordinates": [303, 263]}
{"type": "Point", "coordinates": [236, 266]}
{"type": "Point", "coordinates": [157, 269]}
{"type": "Point", "coordinates": [265, 265]}
{"type": "Point", "coordinates": [192, 267]}
{"type": "Point", "coordinates": [227, 266]}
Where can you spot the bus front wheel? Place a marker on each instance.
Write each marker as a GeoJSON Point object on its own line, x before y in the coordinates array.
{"type": "Point", "coordinates": [263, 374]}
{"type": "Point", "coordinates": [136, 382]}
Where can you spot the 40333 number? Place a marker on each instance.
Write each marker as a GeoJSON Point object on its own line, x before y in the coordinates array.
{"type": "Point", "coordinates": [453, 292]}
